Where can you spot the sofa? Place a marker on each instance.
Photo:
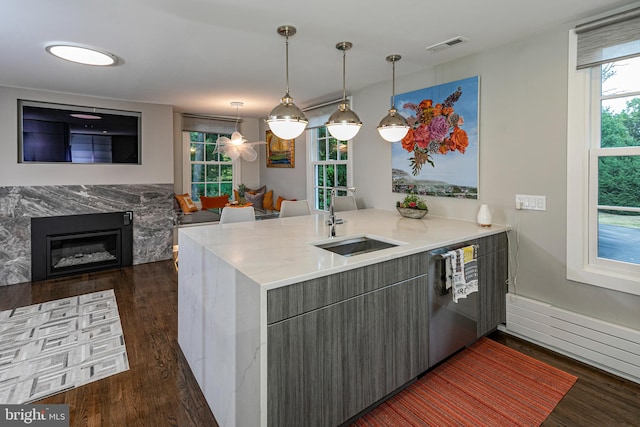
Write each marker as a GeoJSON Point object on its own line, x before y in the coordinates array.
{"type": "Point", "coordinates": [187, 215]}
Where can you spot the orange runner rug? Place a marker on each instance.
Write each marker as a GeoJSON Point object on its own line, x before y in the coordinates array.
{"type": "Point", "coordinates": [487, 384]}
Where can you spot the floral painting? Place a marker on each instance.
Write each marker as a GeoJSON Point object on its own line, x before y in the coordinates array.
{"type": "Point", "coordinates": [439, 154]}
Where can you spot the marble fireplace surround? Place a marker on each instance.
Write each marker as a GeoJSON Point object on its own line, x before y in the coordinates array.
{"type": "Point", "coordinates": [153, 219]}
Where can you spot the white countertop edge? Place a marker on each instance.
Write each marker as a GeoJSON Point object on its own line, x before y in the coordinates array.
{"type": "Point", "coordinates": [265, 239]}
{"type": "Point", "coordinates": [377, 257]}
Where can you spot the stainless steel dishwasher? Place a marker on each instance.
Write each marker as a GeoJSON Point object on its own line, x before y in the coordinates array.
{"type": "Point", "coordinates": [452, 326]}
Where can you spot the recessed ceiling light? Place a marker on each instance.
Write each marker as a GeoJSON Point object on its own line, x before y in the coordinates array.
{"type": "Point", "coordinates": [82, 55]}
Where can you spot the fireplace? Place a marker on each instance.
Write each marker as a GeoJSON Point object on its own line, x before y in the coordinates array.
{"type": "Point", "coordinates": [73, 244]}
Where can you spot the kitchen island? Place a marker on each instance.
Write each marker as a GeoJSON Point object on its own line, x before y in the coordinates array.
{"type": "Point", "coordinates": [259, 303]}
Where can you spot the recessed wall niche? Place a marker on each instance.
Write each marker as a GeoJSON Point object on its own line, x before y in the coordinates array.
{"type": "Point", "coordinates": [59, 133]}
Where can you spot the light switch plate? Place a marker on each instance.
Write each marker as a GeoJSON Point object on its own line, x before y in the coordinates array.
{"type": "Point", "coordinates": [534, 203]}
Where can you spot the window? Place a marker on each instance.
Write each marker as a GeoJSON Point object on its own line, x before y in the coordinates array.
{"type": "Point", "coordinates": [330, 166]}
{"type": "Point", "coordinates": [211, 172]}
{"type": "Point", "coordinates": [614, 163]}
{"type": "Point", "coordinates": [603, 173]}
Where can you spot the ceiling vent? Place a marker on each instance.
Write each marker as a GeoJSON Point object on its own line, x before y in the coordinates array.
{"type": "Point", "coordinates": [446, 44]}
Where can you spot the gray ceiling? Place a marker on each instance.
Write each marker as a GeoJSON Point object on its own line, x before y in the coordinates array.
{"type": "Point", "coordinates": [199, 55]}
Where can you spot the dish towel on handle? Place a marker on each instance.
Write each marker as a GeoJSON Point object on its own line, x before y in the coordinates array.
{"type": "Point", "coordinates": [462, 271]}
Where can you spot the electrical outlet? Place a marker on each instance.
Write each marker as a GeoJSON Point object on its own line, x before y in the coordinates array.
{"type": "Point", "coordinates": [534, 203]}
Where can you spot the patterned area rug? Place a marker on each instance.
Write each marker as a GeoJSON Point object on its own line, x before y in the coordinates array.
{"type": "Point", "coordinates": [58, 345]}
{"type": "Point", "coordinates": [488, 384]}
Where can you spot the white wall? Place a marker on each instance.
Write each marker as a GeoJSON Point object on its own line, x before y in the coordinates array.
{"type": "Point", "coordinates": [177, 154]}
{"type": "Point", "coordinates": [290, 183]}
{"type": "Point", "coordinates": [523, 150]}
{"type": "Point", "coordinates": [157, 142]}
{"type": "Point", "coordinates": [250, 172]}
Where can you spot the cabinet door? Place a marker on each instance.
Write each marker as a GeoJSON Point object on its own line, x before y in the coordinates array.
{"type": "Point", "coordinates": [493, 274]}
{"type": "Point", "coordinates": [327, 365]}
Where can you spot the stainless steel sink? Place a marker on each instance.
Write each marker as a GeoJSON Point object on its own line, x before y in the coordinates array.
{"type": "Point", "coordinates": [355, 246]}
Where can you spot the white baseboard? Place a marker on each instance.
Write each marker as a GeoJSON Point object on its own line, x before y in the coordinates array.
{"type": "Point", "coordinates": [610, 347]}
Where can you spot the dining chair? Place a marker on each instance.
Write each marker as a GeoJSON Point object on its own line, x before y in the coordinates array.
{"type": "Point", "coordinates": [230, 215]}
{"type": "Point", "coordinates": [294, 208]}
{"type": "Point", "coordinates": [344, 203]}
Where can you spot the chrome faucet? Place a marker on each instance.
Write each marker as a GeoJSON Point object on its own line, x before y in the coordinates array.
{"type": "Point", "coordinates": [332, 221]}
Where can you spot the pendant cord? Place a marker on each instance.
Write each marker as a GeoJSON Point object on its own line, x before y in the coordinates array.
{"type": "Point", "coordinates": [287, 62]}
{"type": "Point", "coordinates": [344, 67]}
{"type": "Point", "coordinates": [393, 85]}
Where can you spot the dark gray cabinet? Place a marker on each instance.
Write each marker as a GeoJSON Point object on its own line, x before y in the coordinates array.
{"type": "Point", "coordinates": [325, 366]}
{"type": "Point", "coordinates": [345, 342]}
{"type": "Point", "coordinates": [493, 271]}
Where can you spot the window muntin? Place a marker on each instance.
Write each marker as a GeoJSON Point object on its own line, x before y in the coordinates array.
{"type": "Point", "coordinates": [211, 172]}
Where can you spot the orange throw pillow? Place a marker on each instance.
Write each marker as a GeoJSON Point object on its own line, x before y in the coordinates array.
{"type": "Point", "coordinates": [186, 204]}
{"type": "Point", "coordinates": [267, 202]}
{"type": "Point", "coordinates": [214, 202]}
{"type": "Point", "coordinates": [280, 200]}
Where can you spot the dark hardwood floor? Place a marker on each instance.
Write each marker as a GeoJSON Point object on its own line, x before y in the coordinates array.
{"type": "Point", "coordinates": [159, 389]}
{"type": "Point", "coordinates": [596, 399]}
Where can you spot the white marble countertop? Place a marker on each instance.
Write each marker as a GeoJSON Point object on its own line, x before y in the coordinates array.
{"type": "Point", "coordinates": [279, 252]}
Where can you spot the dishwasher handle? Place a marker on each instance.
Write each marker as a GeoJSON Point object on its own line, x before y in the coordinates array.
{"type": "Point", "coordinates": [440, 274]}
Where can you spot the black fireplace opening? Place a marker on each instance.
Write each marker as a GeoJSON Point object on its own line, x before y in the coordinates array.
{"type": "Point", "coordinates": [74, 244]}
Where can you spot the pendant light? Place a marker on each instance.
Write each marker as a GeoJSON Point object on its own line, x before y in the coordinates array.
{"type": "Point", "coordinates": [393, 127]}
{"type": "Point", "coordinates": [344, 124]}
{"type": "Point", "coordinates": [237, 146]}
{"type": "Point", "coordinates": [286, 120]}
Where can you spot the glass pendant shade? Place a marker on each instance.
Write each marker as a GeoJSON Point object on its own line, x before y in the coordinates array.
{"type": "Point", "coordinates": [286, 120]}
{"type": "Point", "coordinates": [344, 124]}
{"type": "Point", "coordinates": [393, 127]}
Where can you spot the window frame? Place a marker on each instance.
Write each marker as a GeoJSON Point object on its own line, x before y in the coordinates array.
{"type": "Point", "coordinates": [583, 128]}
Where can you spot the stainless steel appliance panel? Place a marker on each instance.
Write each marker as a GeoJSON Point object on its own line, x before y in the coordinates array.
{"type": "Point", "coordinates": [452, 326]}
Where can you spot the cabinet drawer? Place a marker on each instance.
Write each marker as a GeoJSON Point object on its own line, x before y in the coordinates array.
{"type": "Point", "coordinates": [293, 300]}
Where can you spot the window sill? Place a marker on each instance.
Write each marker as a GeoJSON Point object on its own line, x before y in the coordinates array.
{"type": "Point", "coordinates": [607, 278]}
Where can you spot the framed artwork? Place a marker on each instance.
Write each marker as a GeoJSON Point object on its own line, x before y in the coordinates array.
{"type": "Point", "coordinates": [439, 154]}
{"type": "Point", "coordinates": [280, 152]}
